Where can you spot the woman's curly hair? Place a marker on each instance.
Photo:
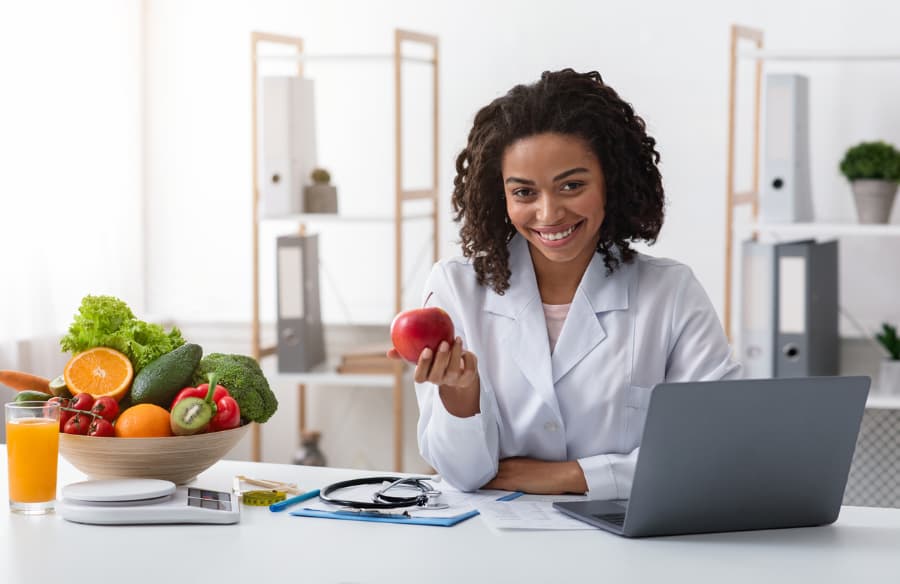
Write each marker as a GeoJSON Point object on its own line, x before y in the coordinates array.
{"type": "Point", "coordinates": [569, 103]}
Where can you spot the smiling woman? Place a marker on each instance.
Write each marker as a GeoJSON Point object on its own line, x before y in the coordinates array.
{"type": "Point", "coordinates": [563, 329]}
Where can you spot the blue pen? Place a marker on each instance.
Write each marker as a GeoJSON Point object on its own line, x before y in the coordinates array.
{"type": "Point", "coordinates": [282, 505]}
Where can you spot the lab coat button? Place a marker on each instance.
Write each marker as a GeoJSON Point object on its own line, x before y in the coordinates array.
{"type": "Point", "coordinates": [551, 426]}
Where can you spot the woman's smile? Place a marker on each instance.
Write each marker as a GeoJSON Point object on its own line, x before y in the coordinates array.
{"type": "Point", "coordinates": [558, 236]}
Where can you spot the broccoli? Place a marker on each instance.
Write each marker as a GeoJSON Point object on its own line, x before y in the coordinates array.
{"type": "Point", "coordinates": [245, 381]}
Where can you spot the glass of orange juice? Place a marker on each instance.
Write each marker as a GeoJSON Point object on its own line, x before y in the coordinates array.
{"type": "Point", "coordinates": [32, 448]}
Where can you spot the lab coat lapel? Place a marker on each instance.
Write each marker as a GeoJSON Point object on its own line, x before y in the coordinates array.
{"type": "Point", "coordinates": [582, 331]}
{"type": "Point", "coordinates": [526, 339]}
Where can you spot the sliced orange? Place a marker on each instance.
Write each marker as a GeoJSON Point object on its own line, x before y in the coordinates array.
{"type": "Point", "coordinates": [143, 421]}
{"type": "Point", "coordinates": [99, 371]}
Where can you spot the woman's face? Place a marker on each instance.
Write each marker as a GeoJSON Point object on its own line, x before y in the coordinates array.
{"type": "Point", "coordinates": [555, 196]}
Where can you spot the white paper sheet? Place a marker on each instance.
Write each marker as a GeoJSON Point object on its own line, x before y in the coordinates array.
{"type": "Point", "coordinates": [518, 514]}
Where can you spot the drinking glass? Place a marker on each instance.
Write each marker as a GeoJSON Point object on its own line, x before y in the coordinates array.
{"type": "Point", "coordinates": [32, 448]}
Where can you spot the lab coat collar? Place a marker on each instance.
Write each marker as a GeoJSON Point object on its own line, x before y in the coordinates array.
{"type": "Point", "coordinates": [601, 291]}
{"type": "Point", "coordinates": [528, 342]}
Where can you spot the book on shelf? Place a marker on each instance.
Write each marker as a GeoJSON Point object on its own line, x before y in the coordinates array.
{"type": "Point", "coordinates": [367, 359]}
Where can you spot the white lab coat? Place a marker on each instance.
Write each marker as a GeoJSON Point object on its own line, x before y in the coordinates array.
{"type": "Point", "coordinates": [648, 322]}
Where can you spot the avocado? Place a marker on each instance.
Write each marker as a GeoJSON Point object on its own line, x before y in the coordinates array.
{"type": "Point", "coordinates": [31, 395]}
{"type": "Point", "coordinates": [163, 378]}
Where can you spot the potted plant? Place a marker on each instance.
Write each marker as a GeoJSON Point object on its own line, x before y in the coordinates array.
{"type": "Point", "coordinates": [321, 196]}
{"type": "Point", "coordinates": [873, 169]}
{"type": "Point", "coordinates": [889, 378]}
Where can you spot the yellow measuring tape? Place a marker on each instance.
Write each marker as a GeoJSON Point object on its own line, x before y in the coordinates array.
{"type": "Point", "coordinates": [263, 498]}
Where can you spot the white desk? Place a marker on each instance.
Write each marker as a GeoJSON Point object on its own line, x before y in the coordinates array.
{"type": "Point", "coordinates": [864, 545]}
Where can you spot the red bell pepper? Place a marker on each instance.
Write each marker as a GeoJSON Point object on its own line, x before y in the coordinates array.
{"type": "Point", "coordinates": [228, 413]}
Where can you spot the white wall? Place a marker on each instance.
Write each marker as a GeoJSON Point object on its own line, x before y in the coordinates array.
{"type": "Point", "coordinates": [70, 162]}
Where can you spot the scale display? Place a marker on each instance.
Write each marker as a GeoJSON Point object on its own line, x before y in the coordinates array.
{"type": "Point", "coordinates": [136, 501]}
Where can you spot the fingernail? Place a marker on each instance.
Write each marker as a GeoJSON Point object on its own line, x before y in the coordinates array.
{"type": "Point", "coordinates": [444, 347]}
{"type": "Point", "coordinates": [426, 353]}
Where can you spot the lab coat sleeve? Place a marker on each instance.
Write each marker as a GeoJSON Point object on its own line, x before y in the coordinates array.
{"type": "Point", "coordinates": [697, 351]}
{"type": "Point", "coordinates": [463, 450]}
{"type": "Point", "coordinates": [608, 476]}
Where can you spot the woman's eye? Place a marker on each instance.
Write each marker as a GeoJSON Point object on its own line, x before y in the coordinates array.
{"type": "Point", "coordinates": [572, 186]}
{"type": "Point", "coordinates": [522, 193]}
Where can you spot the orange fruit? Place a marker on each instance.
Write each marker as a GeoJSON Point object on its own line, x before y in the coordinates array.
{"type": "Point", "coordinates": [100, 371]}
{"type": "Point", "coordinates": [143, 421]}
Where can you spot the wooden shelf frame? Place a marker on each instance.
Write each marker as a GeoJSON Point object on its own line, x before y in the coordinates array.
{"type": "Point", "coordinates": [401, 195]}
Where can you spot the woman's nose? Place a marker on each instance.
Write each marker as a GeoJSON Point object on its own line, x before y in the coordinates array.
{"type": "Point", "coordinates": [548, 209]}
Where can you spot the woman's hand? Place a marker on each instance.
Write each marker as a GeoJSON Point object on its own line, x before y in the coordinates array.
{"type": "Point", "coordinates": [455, 372]}
{"type": "Point", "coordinates": [539, 477]}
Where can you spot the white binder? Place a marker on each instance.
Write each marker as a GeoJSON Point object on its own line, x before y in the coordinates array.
{"type": "Point", "coordinates": [287, 144]}
{"type": "Point", "coordinates": [757, 335]}
{"type": "Point", "coordinates": [785, 194]}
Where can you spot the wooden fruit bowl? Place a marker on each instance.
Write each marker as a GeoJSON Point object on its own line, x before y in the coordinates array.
{"type": "Point", "coordinates": [175, 458]}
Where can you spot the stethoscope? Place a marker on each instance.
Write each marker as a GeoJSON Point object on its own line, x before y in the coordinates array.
{"type": "Point", "coordinates": [425, 498]}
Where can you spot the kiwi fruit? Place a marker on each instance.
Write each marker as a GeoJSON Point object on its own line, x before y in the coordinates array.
{"type": "Point", "coordinates": [190, 416]}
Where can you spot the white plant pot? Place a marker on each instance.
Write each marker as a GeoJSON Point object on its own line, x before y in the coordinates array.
{"type": "Point", "coordinates": [889, 377]}
{"type": "Point", "coordinates": [874, 199]}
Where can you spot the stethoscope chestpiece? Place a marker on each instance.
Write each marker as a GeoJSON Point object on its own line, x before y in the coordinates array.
{"type": "Point", "coordinates": [431, 503]}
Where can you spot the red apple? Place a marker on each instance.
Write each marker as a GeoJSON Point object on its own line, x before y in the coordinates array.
{"type": "Point", "coordinates": [414, 330]}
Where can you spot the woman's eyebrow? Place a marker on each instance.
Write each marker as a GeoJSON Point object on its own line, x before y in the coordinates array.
{"type": "Point", "coordinates": [523, 181]}
{"type": "Point", "coordinates": [559, 177]}
{"type": "Point", "coordinates": [568, 173]}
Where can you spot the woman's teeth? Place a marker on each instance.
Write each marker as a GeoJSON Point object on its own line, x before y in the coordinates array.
{"type": "Point", "coordinates": [558, 235]}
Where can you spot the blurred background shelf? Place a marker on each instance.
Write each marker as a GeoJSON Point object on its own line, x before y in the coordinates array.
{"type": "Point", "coordinates": [406, 204]}
{"type": "Point", "coordinates": [828, 229]}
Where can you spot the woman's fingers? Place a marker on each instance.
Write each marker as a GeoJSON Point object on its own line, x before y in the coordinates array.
{"type": "Point", "coordinates": [438, 372]}
{"type": "Point", "coordinates": [469, 370]}
{"type": "Point", "coordinates": [449, 365]}
{"type": "Point", "coordinates": [423, 367]}
{"type": "Point", "coordinates": [393, 354]}
{"type": "Point", "coordinates": [454, 364]}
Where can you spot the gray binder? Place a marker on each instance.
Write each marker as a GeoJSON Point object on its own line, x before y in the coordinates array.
{"type": "Point", "coordinates": [300, 342]}
{"type": "Point", "coordinates": [806, 311]}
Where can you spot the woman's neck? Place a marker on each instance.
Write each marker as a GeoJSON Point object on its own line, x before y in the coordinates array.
{"type": "Point", "coordinates": [558, 281]}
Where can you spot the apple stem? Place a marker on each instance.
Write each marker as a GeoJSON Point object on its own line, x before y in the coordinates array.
{"type": "Point", "coordinates": [428, 298]}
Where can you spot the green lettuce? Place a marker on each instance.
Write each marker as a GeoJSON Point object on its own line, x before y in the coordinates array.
{"type": "Point", "coordinates": [106, 321]}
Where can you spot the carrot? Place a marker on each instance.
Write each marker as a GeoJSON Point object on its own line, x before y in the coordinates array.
{"type": "Point", "coordinates": [21, 381]}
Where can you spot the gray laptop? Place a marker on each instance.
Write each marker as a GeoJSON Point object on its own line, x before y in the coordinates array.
{"type": "Point", "coordinates": [738, 455]}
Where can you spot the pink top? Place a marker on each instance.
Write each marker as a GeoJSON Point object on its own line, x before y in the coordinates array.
{"type": "Point", "coordinates": [555, 315]}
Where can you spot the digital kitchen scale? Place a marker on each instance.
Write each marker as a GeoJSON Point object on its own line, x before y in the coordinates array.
{"type": "Point", "coordinates": [133, 501]}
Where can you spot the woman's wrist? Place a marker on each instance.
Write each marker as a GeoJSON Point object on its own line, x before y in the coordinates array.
{"type": "Point", "coordinates": [576, 482]}
{"type": "Point", "coordinates": [462, 402]}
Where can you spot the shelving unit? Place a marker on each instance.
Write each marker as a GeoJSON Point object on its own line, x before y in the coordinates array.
{"type": "Point", "coordinates": [747, 43]}
{"type": "Point", "coordinates": [828, 229]}
{"type": "Point", "coordinates": [324, 375]}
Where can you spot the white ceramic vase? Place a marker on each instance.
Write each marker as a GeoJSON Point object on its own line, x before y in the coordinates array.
{"type": "Point", "coordinates": [874, 199]}
{"type": "Point", "coordinates": [889, 377]}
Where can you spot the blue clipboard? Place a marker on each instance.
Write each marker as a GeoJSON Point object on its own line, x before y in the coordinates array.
{"type": "Point", "coordinates": [395, 517]}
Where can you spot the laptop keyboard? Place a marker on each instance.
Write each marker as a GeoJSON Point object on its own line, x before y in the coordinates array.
{"type": "Point", "coordinates": [614, 518]}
